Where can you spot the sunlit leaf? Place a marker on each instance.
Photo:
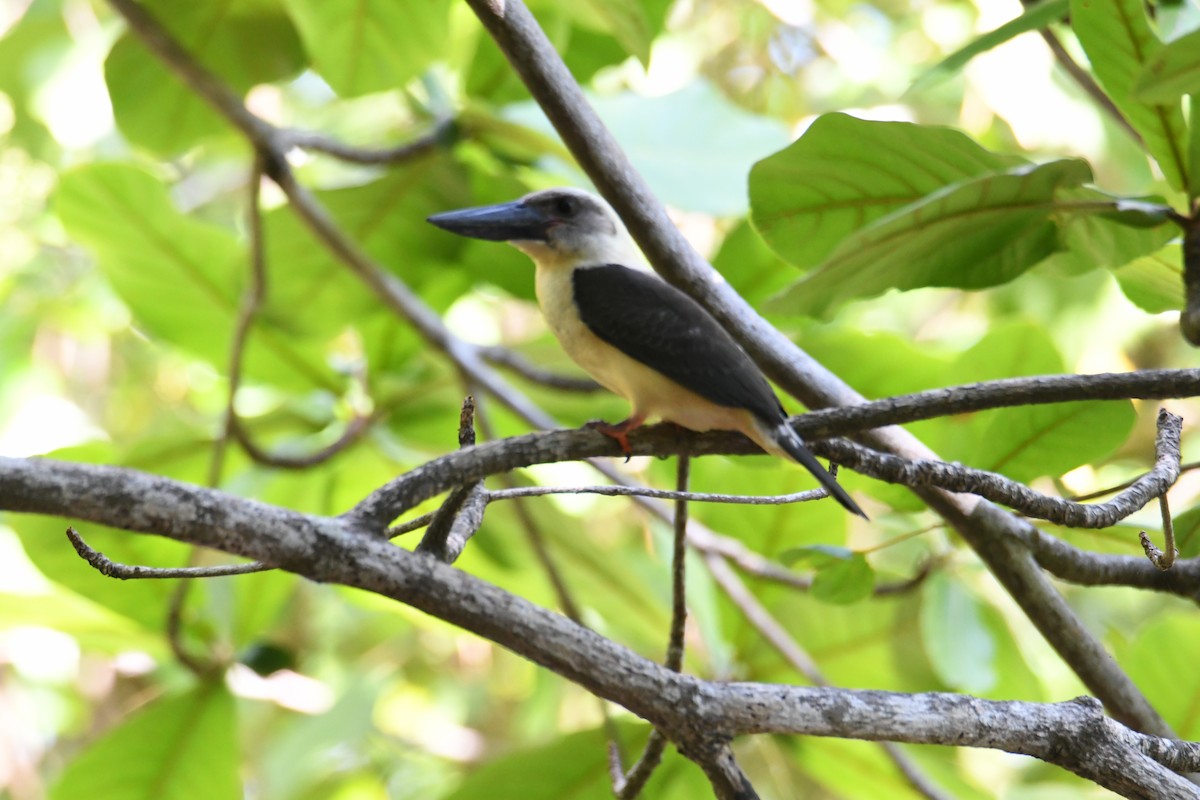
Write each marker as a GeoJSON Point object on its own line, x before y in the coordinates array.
{"type": "Point", "coordinates": [1171, 72]}
{"type": "Point", "coordinates": [164, 752]}
{"type": "Point", "coordinates": [1119, 42]}
{"type": "Point", "coordinates": [1160, 660]}
{"type": "Point", "coordinates": [181, 277]}
{"type": "Point", "coordinates": [956, 638]}
{"type": "Point", "coordinates": [1026, 442]}
{"type": "Point", "coordinates": [1187, 532]}
{"type": "Point", "coordinates": [1032, 18]}
{"type": "Point", "coordinates": [371, 45]}
{"type": "Point", "coordinates": [971, 235]}
{"type": "Point", "coordinates": [244, 43]}
{"type": "Point", "coordinates": [842, 575]}
{"type": "Point", "coordinates": [845, 173]}
{"type": "Point", "coordinates": [1154, 283]}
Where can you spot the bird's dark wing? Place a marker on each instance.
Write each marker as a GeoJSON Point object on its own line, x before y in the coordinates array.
{"type": "Point", "coordinates": [652, 322]}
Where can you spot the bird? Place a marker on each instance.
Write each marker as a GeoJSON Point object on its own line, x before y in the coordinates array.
{"type": "Point", "coordinates": [635, 334]}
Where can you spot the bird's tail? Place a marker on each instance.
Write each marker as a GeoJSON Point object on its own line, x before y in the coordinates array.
{"type": "Point", "coordinates": [788, 442]}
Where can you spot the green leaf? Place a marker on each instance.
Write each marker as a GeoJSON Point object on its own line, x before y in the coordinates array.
{"type": "Point", "coordinates": [1154, 283]}
{"type": "Point", "coordinates": [972, 235]}
{"type": "Point", "coordinates": [1193, 144]}
{"type": "Point", "coordinates": [179, 276]}
{"type": "Point", "coordinates": [845, 173]}
{"type": "Point", "coordinates": [842, 575]}
{"type": "Point", "coordinates": [1161, 660]}
{"type": "Point", "coordinates": [1119, 42]}
{"type": "Point", "coordinates": [165, 752]}
{"type": "Point", "coordinates": [371, 45]}
{"type": "Point", "coordinates": [144, 602]}
{"type": "Point", "coordinates": [1026, 442]}
{"type": "Point", "coordinates": [385, 218]}
{"type": "Point", "coordinates": [844, 582]}
{"type": "Point", "coordinates": [1032, 18]}
{"type": "Point", "coordinates": [1171, 72]}
{"type": "Point", "coordinates": [956, 638]}
{"type": "Point", "coordinates": [1098, 230]}
{"type": "Point", "coordinates": [1187, 533]}
{"type": "Point", "coordinates": [626, 20]}
{"type": "Point", "coordinates": [244, 43]}
{"type": "Point", "coordinates": [574, 767]}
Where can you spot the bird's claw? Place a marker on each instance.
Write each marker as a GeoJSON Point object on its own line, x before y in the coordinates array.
{"type": "Point", "coordinates": [619, 433]}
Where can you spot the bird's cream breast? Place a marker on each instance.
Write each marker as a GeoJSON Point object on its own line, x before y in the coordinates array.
{"type": "Point", "coordinates": [649, 392]}
{"type": "Point", "coordinates": [598, 358]}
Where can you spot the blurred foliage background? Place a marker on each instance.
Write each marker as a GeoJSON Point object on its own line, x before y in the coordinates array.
{"type": "Point", "coordinates": [123, 257]}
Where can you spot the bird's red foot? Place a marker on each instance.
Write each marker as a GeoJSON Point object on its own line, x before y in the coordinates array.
{"type": "Point", "coordinates": [618, 432]}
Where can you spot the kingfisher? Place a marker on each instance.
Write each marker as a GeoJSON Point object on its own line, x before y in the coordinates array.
{"type": "Point", "coordinates": [637, 335]}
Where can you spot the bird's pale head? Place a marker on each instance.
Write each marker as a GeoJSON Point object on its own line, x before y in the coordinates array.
{"type": "Point", "coordinates": [555, 227]}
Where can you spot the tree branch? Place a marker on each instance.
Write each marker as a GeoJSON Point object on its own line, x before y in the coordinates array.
{"type": "Point", "coordinates": [981, 524]}
{"type": "Point", "coordinates": [694, 713]}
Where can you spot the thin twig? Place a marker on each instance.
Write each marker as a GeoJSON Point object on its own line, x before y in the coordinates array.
{"type": "Point", "coordinates": [459, 517]}
{"type": "Point", "coordinates": [355, 429]}
{"type": "Point", "coordinates": [252, 299]}
{"type": "Point", "coordinates": [510, 359]}
{"type": "Point", "coordinates": [414, 524]}
{"type": "Point", "coordinates": [1163, 559]}
{"type": "Point", "coordinates": [115, 569]}
{"type": "Point", "coordinates": [199, 666]}
{"type": "Point", "coordinates": [566, 601]}
{"type": "Point", "coordinates": [635, 779]}
{"type": "Point", "coordinates": [662, 494]}
{"type": "Point", "coordinates": [1079, 498]}
{"type": "Point", "coordinates": [440, 135]}
{"type": "Point", "coordinates": [1087, 83]}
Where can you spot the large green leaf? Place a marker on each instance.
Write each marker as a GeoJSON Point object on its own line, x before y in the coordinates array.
{"type": "Point", "coordinates": [1026, 442]}
{"type": "Point", "coordinates": [1171, 72]}
{"type": "Point", "coordinates": [1033, 17]}
{"type": "Point", "coordinates": [371, 45]}
{"type": "Point", "coordinates": [1119, 42]}
{"type": "Point", "coordinates": [978, 233]}
{"type": "Point", "coordinates": [1161, 660]}
{"type": "Point", "coordinates": [176, 748]}
{"type": "Point", "coordinates": [1094, 237]}
{"type": "Point", "coordinates": [845, 173]}
{"type": "Point", "coordinates": [957, 640]}
{"type": "Point", "coordinates": [386, 219]}
{"type": "Point", "coordinates": [1154, 283]}
{"type": "Point", "coordinates": [244, 43]}
{"type": "Point", "coordinates": [179, 276]}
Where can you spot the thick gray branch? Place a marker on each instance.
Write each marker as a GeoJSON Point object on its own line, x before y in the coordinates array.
{"type": "Point", "coordinates": [696, 714]}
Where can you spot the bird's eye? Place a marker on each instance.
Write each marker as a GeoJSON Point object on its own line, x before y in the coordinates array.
{"type": "Point", "coordinates": [565, 206]}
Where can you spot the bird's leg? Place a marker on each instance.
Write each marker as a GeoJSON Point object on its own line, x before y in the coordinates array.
{"type": "Point", "coordinates": [619, 431]}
